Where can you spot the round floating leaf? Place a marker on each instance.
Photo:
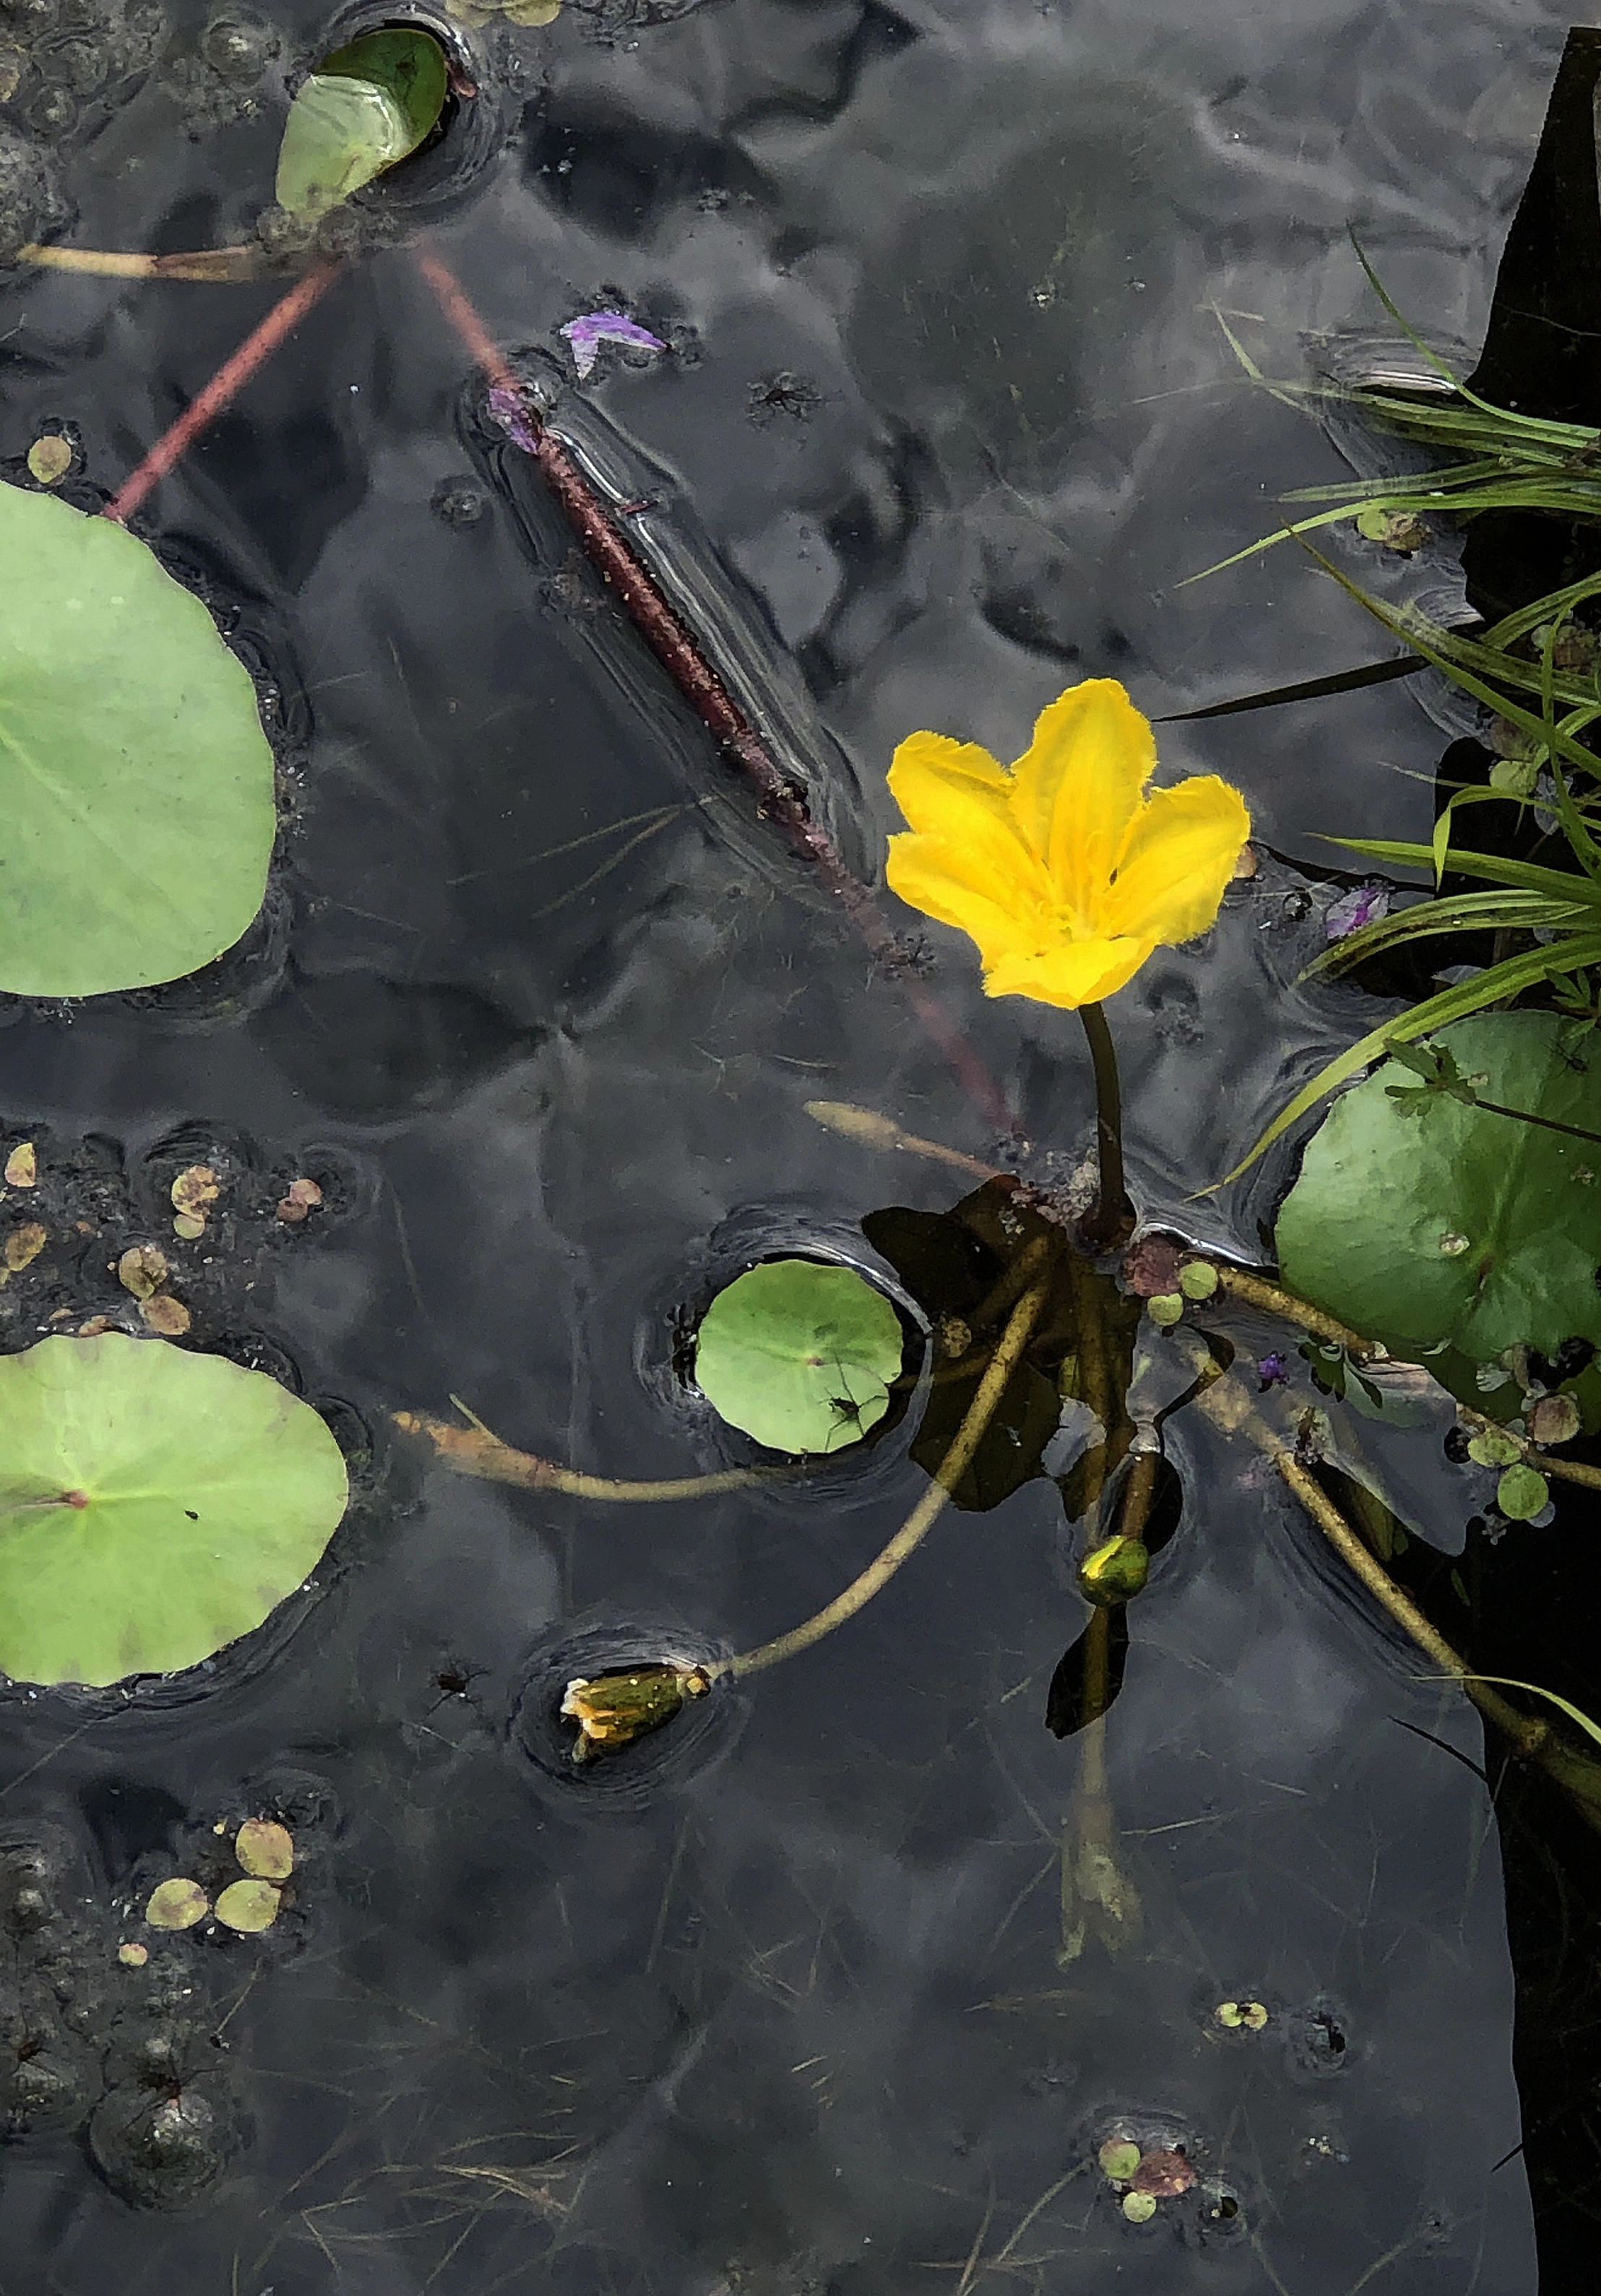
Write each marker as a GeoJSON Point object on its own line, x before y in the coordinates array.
{"type": "Point", "coordinates": [1522, 1493]}
{"type": "Point", "coordinates": [1425, 1219]}
{"type": "Point", "coordinates": [248, 1906]}
{"type": "Point", "coordinates": [176, 1905]}
{"type": "Point", "coordinates": [265, 1848]}
{"type": "Point", "coordinates": [799, 1355]}
{"type": "Point", "coordinates": [154, 1506]}
{"type": "Point", "coordinates": [139, 787]}
{"type": "Point", "coordinates": [366, 107]}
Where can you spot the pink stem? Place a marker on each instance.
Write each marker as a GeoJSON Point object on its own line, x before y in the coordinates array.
{"type": "Point", "coordinates": [226, 384]}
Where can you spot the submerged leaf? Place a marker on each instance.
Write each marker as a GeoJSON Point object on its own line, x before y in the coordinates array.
{"type": "Point", "coordinates": [798, 1354]}
{"type": "Point", "coordinates": [367, 107]}
{"type": "Point", "coordinates": [154, 1506]}
{"type": "Point", "coordinates": [1446, 1222]}
{"type": "Point", "coordinates": [140, 809]}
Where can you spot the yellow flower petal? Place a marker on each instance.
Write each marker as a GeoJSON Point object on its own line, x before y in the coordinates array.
{"type": "Point", "coordinates": [1075, 973]}
{"type": "Point", "coordinates": [1076, 787]}
{"type": "Point", "coordinates": [1177, 857]}
{"type": "Point", "coordinates": [961, 884]}
{"type": "Point", "coordinates": [939, 784]}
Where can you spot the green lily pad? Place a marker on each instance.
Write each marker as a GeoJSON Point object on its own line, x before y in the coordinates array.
{"type": "Point", "coordinates": [140, 812]}
{"type": "Point", "coordinates": [799, 1354]}
{"type": "Point", "coordinates": [366, 107]}
{"type": "Point", "coordinates": [154, 1506]}
{"type": "Point", "coordinates": [1424, 1220]}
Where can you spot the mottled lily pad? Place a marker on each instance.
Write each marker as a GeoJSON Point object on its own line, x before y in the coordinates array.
{"type": "Point", "coordinates": [154, 1506]}
{"type": "Point", "coordinates": [248, 1907]}
{"type": "Point", "coordinates": [176, 1905]}
{"type": "Point", "coordinates": [265, 1848]}
{"type": "Point", "coordinates": [140, 808]}
{"type": "Point", "coordinates": [799, 1353]}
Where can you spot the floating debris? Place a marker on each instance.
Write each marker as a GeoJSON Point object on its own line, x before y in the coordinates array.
{"type": "Point", "coordinates": [586, 335]}
{"type": "Point", "coordinates": [23, 1166]}
{"type": "Point", "coordinates": [1163, 2175]}
{"type": "Point", "coordinates": [23, 1246]}
{"type": "Point", "coordinates": [176, 1905]}
{"type": "Point", "coordinates": [196, 1188]}
{"type": "Point", "coordinates": [133, 1955]}
{"type": "Point", "coordinates": [1364, 904]}
{"type": "Point", "coordinates": [304, 1196]}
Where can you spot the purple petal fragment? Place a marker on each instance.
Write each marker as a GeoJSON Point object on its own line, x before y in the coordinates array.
{"type": "Point", "coordinates": [509, 410]}
{"type": "Point", "coordinates": [586, 335]}
{"type": "Point", "coordinates": [1364, 904]}
{"type": "Point", "coordinates": [1272, 1372]}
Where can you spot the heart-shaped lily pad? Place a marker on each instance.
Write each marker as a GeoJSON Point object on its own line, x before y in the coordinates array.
{"type": "Point", "coordinates": [799, 1353]}
{"type": "Point", "coordinates": [1424, 1218]}
{"type": "Point", "coordinates": [154, 1506]}
{"type": "Point", "coordinates": [139, 787]}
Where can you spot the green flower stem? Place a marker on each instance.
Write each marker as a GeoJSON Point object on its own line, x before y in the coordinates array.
{"type": "Point", "coordinates": [955, 1465]}
{"type": "Point", "coordinates": [1114, 1215]}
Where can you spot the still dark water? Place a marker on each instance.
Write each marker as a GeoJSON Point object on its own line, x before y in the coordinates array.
{"type": "Point", "coordinates": [947, 421]}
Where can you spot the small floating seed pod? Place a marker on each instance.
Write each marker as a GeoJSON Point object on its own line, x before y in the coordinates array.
{"type": "Point", "coordinates": [615, 1713]}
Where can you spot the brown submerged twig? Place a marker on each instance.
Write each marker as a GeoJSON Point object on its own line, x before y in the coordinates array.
{"type": "Point", "coordinates": [475, 1451]}
{"type": "Point", "coordinates": [780, 798]}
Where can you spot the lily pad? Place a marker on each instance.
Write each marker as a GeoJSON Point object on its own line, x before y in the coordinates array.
{"type": "Point", "coordinates": [140, 811]}
{"type": "Point", "coordinates": [1427, 1221]}
{"type": "Point", "coordinates": [799, 1354]}
{"type": "Point", "coordinates": [154, 1506]}
{"type": "Point", "coordinates": [366, 107]}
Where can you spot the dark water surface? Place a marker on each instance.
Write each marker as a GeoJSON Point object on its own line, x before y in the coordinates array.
{"type": "Point", "coordinates": [948, 420]}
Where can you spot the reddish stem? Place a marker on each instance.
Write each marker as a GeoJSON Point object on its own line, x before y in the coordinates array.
{"type": "Point", "coordinates": [781, 798]}
{"type": "Point", "coordinates": [228, 381]}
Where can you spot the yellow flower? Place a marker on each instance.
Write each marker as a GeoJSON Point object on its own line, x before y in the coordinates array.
{"type": "Point", "coordinates": [1062, 869]}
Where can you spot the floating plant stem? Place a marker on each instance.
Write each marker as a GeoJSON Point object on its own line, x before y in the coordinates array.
{"type": "Point", "coordinates": [212, 264]}
{"type": "Point", "coordinates": [475, 1451]}
{"type": "Point", "coordinates": [955, 1465]}
{"type": "Point", "coordinates": [781, 800]}
{"type": "Point", "coordinates": [1113, 1215]}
